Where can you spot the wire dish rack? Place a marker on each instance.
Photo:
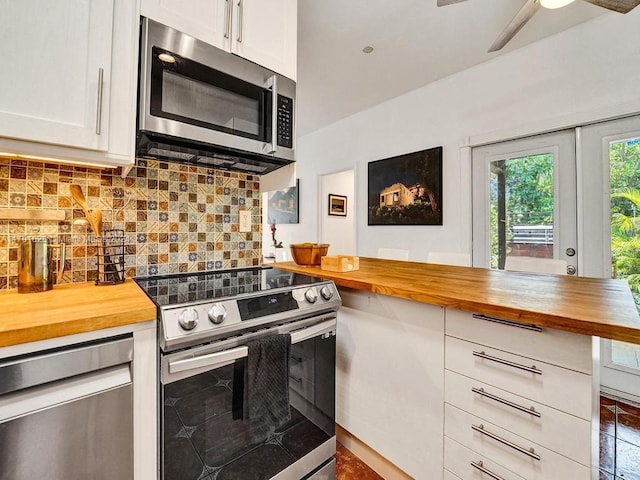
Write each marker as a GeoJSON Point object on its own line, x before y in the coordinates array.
{"type": "Point", "coordinates": [110, 258]}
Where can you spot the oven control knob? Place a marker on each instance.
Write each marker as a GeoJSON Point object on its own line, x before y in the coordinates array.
{"type": "Point", "coordinates": [310, 295]}
{"type": "Point", "coordinates": [217, 313]}
{"type": "Point", "coordinates": [188, 319]}
{"type": "Point", "coordinates": [326, 292]}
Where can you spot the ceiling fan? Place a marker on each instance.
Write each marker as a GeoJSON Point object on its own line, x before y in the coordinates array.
{"type": "Point", "coordinates": [530, 7]}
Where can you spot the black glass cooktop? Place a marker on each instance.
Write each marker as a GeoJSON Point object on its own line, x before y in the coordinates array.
{"type": "Point", "coordinates": [213, 285]}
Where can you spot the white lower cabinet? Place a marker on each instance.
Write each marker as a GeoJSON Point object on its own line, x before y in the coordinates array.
{"type": "Point", "coordinates": [520, 399]}
{"type": "Point", "coordinates": [517, 454]}
{"type": "Point", "coordinates": [462, 463]}
{"type": "Point", "coordinates": [389, 379]}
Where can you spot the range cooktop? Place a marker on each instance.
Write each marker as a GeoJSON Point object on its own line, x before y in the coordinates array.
{"type": "Point", "coordinates": [200, 307]}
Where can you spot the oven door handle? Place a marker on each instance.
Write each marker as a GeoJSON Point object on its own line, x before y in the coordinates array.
{"type": "Point", "coordinates": [215, 360]}
{"type": "Point", "coordinates": [313, 331]}
{"type": "Point", "coordinates": [225, 357]}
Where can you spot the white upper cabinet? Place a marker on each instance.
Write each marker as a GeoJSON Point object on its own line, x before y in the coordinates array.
{"type": "Point", "coordinates": [68, 87]}
{"type": "Point", "coordinates": [263, 31]}
{"type": "Point", "coordinates": [59, 59]}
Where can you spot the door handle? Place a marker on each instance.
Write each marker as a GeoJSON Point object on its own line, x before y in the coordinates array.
{"type": "Point", "coordinates": [99, 109]}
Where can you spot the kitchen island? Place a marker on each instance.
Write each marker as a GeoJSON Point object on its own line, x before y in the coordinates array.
{"type": "Point", "coordinates": [498, 370]}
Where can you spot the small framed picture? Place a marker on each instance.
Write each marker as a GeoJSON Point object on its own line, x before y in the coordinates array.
{"type": "Point", "coordinates": [337, 205]}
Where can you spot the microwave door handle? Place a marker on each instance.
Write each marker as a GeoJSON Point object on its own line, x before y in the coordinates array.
{"type": "Point", "coordinates": [272, 84]}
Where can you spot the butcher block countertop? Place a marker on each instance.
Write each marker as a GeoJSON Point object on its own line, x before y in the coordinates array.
{"type": "Point", "coordinates": [598, 307]}
{"type": "Point", "coordinates": [70, 309]}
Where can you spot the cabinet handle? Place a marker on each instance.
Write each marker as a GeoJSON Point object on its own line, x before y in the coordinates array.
{"type": "Point", "coordinates": [240, 13]}
{"type": "Point", "coordinates": [99, 109]}
{"type": "Point", "coordinates": [486, 471]}
{"type": "Point", "coordinates": [510, 323]}
{"type": "Point", "coordinates": [227, 16]}
{"type": "Point", "coordinates": [531, 369]}
{"type": "Point", "coordinates": [530, 411]}
{"type": "Point", "coordinates": [530, 453]}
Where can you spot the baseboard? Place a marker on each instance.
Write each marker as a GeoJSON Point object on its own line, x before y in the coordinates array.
{"type": "Point", "coordinates": [368, 455]}
{"type": "Point", "coordinates": [618, 395]}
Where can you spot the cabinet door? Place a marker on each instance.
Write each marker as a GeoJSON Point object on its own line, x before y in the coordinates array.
{"type": "Point", "coordinates": [206, 20]}
{"type": "Point", "coordinates": [55, 54]}
{"type": "Point", "coordinates": [266, 33]}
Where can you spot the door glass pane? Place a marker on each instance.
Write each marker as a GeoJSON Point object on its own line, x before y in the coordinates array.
{"type": "Point", "coordinates": [521, 208]}
{"type": "Point", "coordinates": [624, 176]}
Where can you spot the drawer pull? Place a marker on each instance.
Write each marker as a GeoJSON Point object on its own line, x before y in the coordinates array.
{"type": "Point", "coordinates": [480, 467]}
{"type": "Point", "coordinates": [510, 323]}
{"type": "Point", "coordinates": [531, 369]}
{"type": "Point", "coordinates": [530, 411]}
{"type": "Point", "coordinates": [531, 453]}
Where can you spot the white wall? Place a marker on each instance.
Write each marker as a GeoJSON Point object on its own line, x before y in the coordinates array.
{"type": "Point", "coordinates": [337, 231]}
{"type": "Point", "coordinates": [570, 78]}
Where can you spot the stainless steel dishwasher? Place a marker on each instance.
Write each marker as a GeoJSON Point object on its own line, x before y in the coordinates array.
{"type": "Point", "coordinates": [68, 413]}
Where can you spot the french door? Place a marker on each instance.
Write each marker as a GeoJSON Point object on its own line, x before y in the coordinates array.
{"type": "Point", "coordinates": [524, 201]}
{"type": "Point", "coordinates": [610, 200]}
{"type": "Point", "coordinates": [573, 196]}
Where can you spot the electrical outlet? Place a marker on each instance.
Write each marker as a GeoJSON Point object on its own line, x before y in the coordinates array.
{"type": "Point", "coordinates": [245, 221]}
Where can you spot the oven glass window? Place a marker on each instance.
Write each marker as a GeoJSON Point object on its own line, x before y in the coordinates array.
{"type": "Point", "coordinates": [202, 440]}
{"type": "Point", "coordinates": [192, 93]}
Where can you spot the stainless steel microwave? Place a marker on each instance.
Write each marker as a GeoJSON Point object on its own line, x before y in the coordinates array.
{"type": "Point", "coordinates": [199, 104]}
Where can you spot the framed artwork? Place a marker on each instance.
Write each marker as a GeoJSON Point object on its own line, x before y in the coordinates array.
{"type": "Point", "coordinates": [337, 205]}
{"type": "Point", "coordinates": [406, 190]}
{"type": "Point", "coordinates": [282, 205]}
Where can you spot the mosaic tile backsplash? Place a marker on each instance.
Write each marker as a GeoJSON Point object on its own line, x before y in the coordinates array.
{"type": "Point", "coordinates": [177, 218]}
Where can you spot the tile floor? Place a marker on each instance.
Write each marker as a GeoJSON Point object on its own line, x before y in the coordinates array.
{"type": "Point", "coordinates": [619, 440]}
{"type": "Point", "coordinates": [350, 467]}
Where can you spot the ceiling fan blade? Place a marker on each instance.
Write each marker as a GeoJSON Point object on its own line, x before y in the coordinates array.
{"type": "Point", "coordinates": [523, 16]}
{"type": "Point", "coordinates": [442, 3]}
{"type": "Point", "coordinates": [621, 6]}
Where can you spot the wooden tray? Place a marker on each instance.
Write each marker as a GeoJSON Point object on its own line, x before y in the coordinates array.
{"type": "Point", "coordinates": [340, 263]}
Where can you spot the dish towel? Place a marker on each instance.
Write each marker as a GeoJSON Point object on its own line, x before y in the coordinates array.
{"type": "Point", "coordinates": [266, 405]}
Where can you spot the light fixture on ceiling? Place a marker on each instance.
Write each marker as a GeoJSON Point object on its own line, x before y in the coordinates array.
{"type": "Point", "coordinates": [555, 3]}
{"type": "Point", "coordinates": [367, 49]}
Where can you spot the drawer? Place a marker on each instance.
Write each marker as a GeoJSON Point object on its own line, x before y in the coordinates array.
{"type": "Point", "coordinates": [556, 387]}
{"type": "Point", "coordinates": [503, 408]}
{"type": "Point", "coordinates": [509, 450]}
{"type": "Point", "coordinates": [569, 350]}
{"type": "Point", "coordinates": [465, 464]}
{"type": "Point", "coordinates": [450, 476]}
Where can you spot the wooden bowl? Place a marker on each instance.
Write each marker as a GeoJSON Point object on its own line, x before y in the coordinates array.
{"type": "Point", "coordinates": [308, 254]}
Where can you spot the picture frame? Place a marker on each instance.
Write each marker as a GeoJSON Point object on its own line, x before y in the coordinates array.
{"type": "Point", "coordinates": [283, 205]}
{"type": "Point", "coordinates": [337, 205]}
{"type": "Point", "coordinates": [406, 189]}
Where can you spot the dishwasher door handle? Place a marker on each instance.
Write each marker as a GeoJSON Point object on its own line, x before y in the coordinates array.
{"type": "Point", "coordinates": [47, 367]}
{"type": "Point", "coordinates": [24, 402]}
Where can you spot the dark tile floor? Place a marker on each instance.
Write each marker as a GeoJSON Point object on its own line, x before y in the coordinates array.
{"type": "Point", "coordinates": [619, 440]}
{"type": "Point", "coordinates": [350, 467]}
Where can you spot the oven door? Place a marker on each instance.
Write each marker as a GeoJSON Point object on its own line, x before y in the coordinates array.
{"type": "Point", "coordinates": [200, 438]}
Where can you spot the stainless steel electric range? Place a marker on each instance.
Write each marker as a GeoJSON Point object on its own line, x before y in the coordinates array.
{"type": "Point", "coordinates": [206, 323]}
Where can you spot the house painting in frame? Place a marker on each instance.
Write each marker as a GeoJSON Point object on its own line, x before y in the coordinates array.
{"type": "Point", "coordinates": [282, 205]}
{"type": "Point", "coordinates": [407, 189]}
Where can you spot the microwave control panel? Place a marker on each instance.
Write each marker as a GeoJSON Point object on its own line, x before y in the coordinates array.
{"type": "Point", "coordinates": [285, 122]}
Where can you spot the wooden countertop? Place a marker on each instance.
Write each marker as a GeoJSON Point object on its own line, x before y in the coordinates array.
{"type": "Point", "coordinates": [590, 306]}
{"type": "Point", "coordinates": [69, 309]}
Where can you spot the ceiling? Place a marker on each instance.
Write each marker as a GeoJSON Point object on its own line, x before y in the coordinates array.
{"type": "Point", "coordinates": [414, 41]}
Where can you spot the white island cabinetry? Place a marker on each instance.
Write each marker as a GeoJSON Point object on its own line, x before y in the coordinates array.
{"type": "Point", "coordinates": [519, 400]}
{"type": "Point", "coordinates": [389, 379]}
